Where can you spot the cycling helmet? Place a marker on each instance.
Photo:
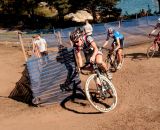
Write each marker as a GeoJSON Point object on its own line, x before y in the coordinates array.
{"type": "Point", "coordinates": [110, 30]}
{"type": "Point", "coordinates": [75, 35]}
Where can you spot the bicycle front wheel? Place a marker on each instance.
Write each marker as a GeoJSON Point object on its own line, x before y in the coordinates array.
{"type": "Point", "coordinates": [98, 97]}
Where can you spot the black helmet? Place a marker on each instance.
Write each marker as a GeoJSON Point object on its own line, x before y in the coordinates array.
{"type": "Point", "coordinates": [75, 35]}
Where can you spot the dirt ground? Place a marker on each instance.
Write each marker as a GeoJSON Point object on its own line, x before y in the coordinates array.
{"type": "Point", "coordinates": [137, 85]}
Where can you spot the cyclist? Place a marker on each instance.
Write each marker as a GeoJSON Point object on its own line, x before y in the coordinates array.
{"type": "Point", "coordinates": [117, 44]}
{"type": "Point", "coordinates": [154, 30]}
{"type": "Point", "coordinates": [87, 44]}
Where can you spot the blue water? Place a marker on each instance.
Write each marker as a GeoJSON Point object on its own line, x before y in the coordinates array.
{"type": "Point", "coordinates": [134, 6]}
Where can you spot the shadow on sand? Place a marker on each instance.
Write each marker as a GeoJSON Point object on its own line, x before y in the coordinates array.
{"type": "Point", "coordinates": [22, 91]}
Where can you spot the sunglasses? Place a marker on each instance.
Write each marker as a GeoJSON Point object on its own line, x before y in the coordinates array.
{"type": "Point", "coordinates": [76, 42]}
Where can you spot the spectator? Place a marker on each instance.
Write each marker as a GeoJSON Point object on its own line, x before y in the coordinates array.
{"type": "Point", "coordinates": [40, 46]}
{"type": "Point", "coordinates": [88, 28]}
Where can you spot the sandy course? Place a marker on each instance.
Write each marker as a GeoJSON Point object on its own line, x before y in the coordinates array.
{"type": "Point", "coordinates": [137, 85]}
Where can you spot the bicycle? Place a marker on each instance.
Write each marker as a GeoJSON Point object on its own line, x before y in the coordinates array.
{"type": "Point", "coordinates": [112, 59]}
{"type": "Point", "coordinates": [154, 49]}
{"type": "Point", "coordinates": [100, 91]}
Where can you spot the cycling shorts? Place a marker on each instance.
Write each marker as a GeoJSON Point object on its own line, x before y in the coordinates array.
{"type": "Point", "coordinates": [121, 43]}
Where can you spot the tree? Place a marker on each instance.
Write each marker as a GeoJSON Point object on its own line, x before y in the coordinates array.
{"type": "Point", "coordinates": [19, 7]}
{"type": "Point", "coordinates": [159, 5]}
{"type": "Point", "coordinates": [94, 5]}
{"type": "Point", "coordinates": [62, 6]}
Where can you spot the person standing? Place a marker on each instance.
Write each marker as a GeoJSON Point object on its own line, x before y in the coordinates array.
{"type": "Point", "coordinates": [88, 30]}
{"type": "Point", "coordinates": [40, 46]}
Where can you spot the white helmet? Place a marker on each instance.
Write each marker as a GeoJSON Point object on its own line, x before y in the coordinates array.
{"type": "Point", "coordinates": [110, 30]}
{"type": "Point", "coordinates": [158, 20]}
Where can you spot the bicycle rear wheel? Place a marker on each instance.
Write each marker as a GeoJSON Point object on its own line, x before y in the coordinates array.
{"type": "Point", "coordinates": [151, 51]}
{"type": "Point", "coordinates": [100, 99]}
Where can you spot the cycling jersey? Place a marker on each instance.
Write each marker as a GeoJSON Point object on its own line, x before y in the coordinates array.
{"type": "Point", "coordinates": [116, 35]}
{"type": "Point", "coordinates": [87, 44]}
{"type": "Point", "coordinates": [87, 47]}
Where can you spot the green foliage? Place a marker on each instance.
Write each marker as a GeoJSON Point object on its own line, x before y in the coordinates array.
{"type": "Point", "coordinates": [48, 12]}
{"type": "Point", "coordinates": [159, 5]}
{"type": "Point", "coordinates": [62, 6]}
{"type": "Point", "coordinates": [29, 11]}
{"type": "Point", "coordinates": [102, 7]}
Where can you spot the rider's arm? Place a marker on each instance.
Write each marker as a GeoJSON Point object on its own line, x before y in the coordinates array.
{"type": "Point", "coordinates": [105, 44]}
{"type": "Point", "coordinates": [79, 57]}
{"type": "Point", "coordinates": [95, 48]}
{"type": "Point", "coordinates": [155, 28]}
{"type": "Point", "coordinates": [153, 31]}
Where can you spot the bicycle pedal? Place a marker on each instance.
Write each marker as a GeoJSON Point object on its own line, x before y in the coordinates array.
{"type": "Point", "coordinates": [107, 95]}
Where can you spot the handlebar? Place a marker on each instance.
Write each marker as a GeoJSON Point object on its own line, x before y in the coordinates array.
{"type": "Point", "coordinates": [88, 68]}
{"type": "Point", "coordinates": [110, 51]}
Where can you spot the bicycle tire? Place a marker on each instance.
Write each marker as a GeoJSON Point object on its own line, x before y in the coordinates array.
{"type": "Point", "coordinates": [151, 51]}
{"type": "Point", "coordinates": [91, 90]}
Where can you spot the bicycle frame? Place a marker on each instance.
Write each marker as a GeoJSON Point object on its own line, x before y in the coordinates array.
{"type": "Point", "coordinates": [111, 59]}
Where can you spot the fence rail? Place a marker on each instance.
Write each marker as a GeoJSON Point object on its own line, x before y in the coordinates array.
{"type": "Point", "coordinates": [54, 77]}
{"type": "Point", "coordinates": [141, 26]}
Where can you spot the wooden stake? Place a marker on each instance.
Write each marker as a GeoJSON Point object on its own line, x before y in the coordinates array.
{"type": "Point", "coordinates": [21, 42]}
{"type": "Point", "coordinates": [60, 39]}
{"type": "Point", "coordinates": [70, 40]}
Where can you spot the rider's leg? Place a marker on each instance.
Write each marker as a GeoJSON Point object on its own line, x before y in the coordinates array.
{"type": "Point", "coordinates": [119, 54]}
{"type": "Point", "coordinates": [100, 62]}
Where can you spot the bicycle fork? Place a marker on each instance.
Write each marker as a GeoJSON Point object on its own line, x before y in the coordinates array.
{"type": "Point", "coordinates": [102, 87]}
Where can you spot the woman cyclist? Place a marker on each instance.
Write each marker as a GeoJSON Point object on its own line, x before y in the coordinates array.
{"type": "Point", "coordinates": [86, 44]}
{"type": "Point", "coordinates": [117, 44]}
